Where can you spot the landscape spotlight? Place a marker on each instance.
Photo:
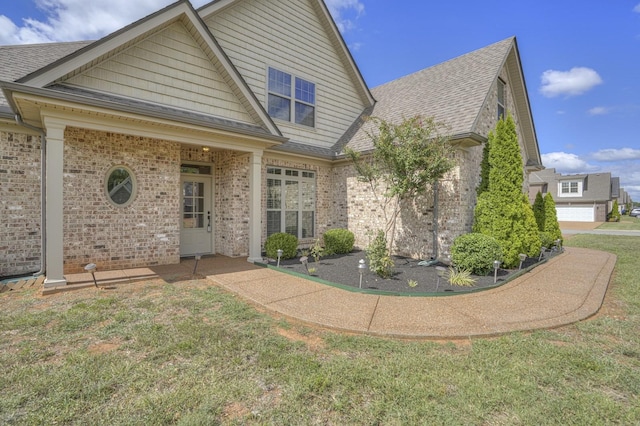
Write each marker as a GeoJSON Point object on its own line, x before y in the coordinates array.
{"type": "Point", "coordinates": [361, 268]}
{"type": "Point", "coordinates": [279, 256]}
{"type": "Point", "coordinates": [496, 266]}
{"type": "Point", "coordinates": [522, 257]}
{"type": "Point", "coordinates": [91, 267]}
{"type": "Point", "coordinates": [441, 271]}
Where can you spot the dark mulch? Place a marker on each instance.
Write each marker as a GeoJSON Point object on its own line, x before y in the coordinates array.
{"type": "Point", "coordinates": [343, 270]}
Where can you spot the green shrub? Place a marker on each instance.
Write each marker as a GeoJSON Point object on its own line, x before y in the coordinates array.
{"type": "Point", "coordinates": [338, 241]}
{"type": "Point", "coordinates": [280, 240]}
{"type": "Point", "coordinates": [475, 252]}
{"type": "Point", "coordinates": [380, 260]}
{"type": "Point", "coordinates": [546, 239]}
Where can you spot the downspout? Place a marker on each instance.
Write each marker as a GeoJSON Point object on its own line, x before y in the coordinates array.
{"type": "Point", "coordinates": [435, 220]}
{"type": "Point", "coordinates": [43, 192]}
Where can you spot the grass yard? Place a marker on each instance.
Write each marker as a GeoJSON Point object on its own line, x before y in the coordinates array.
{"type": "Point", "coordinates": [627, 223]}
{"type": "Point", "coordinates": [189, 353]}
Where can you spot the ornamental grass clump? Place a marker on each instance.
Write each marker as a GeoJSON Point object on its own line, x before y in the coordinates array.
{"type": "Point", "coordinates": [460, 277]}
{"type": "Point", "coordinates": [475, 253]}
{"type": "Point", "coordinates": [286, 242]}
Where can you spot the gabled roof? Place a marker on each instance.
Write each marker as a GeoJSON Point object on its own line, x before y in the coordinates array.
{"type": "Point", "coordinates": [332, 31]}
{"type": "Point", "coordinates": [23, 59]}
{"type": "Point", "coordinates": [454, 92]}
{"type": "Point", "coordinates": [597, 187]}
{"type": "Point", "coordinates": [50, 76]}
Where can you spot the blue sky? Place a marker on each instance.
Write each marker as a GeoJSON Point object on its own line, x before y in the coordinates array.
{"type": "Point", "coordinates": [581, 59]}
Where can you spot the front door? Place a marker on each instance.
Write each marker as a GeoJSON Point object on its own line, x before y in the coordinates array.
{"type": "Point", "coordinates": [196, 228]}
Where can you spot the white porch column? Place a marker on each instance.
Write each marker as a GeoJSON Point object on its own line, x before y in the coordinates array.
{"type": "Point", "coordinates": [54, 209]}
{"type": "Point", "coordinates": [255, 207]}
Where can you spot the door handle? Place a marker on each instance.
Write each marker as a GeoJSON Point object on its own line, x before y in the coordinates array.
{"type": "Point", "coordinates": [208, 221]}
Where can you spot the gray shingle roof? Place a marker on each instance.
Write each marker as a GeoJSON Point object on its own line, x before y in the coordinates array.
{"type": "Point", "coordinates": [157, 110]}
{"type": "Point", "coordinates": [20, 60]}
{"type": "Point", "coordinates": [452, 92]}
{"type": "Point", "coordinates": [597, 186]}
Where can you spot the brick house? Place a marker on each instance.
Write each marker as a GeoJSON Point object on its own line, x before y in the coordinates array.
{"type": "Point", "coordinates": [204, 131]}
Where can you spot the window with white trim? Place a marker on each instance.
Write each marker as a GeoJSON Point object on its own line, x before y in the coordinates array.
{"type": "Point", "coordinates": [291, 202]}
{"type": "Point", "coordinates": [570, 188]}
{"type": "Point", "coordinates": [502, 104]}
{"type": "Point", "coordinates": [291, 98]}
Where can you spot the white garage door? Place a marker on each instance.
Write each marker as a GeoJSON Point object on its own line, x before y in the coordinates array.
{"type": "Point", "coordinates": [575, 214]}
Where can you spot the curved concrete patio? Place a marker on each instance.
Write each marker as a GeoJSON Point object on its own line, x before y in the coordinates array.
{"type": "Point", "coordinates": [568, 288]}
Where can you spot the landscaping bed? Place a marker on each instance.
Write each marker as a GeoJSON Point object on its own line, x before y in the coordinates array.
{"type": "Point", "coordinates": [410, 277]}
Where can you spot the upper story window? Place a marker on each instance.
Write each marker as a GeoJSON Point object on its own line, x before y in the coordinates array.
{"type": "Point", "coordinates": [570, 188]}
{"type": "Point", "coordinates": [291, 98]}
{"type": "Point", "coordinates": [502, 104]}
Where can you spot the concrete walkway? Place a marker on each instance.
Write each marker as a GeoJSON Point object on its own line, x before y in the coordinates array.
{"type": "Point", "coordinates": [568, 288]}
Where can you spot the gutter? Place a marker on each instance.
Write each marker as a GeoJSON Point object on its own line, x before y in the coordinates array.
{"type": "Point", "coordinates": [43, 191]}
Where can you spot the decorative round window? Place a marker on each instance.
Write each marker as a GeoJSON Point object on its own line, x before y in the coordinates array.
{"type": "Point", "coordinates": [120, 186]}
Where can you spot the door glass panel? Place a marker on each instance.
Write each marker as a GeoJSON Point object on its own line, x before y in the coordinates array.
{"type": "Point", "coordinates": [193, 205]}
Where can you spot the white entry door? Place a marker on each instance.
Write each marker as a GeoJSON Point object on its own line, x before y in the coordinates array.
{"type": "Point", "coordinates": [196, 226]}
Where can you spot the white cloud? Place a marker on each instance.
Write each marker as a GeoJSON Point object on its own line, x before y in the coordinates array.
{"type": "Point", "coordinates": [637, 8]}
{"type": "Point", "coordinates": [576, 81]}
{"type": "Point", "coordinates": [616, 154]}
{"type": "Point", "coordinates": [566, 163]}
{"type": "Point", "coordinates": [345, 12]}
{"type": "Point", "coordinates": [598, 111]}
{"type": "Point", "coordinates": [70, 20]}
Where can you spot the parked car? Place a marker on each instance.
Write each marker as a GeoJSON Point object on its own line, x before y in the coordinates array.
{"type": "Point", "coordinates": [635, 212]}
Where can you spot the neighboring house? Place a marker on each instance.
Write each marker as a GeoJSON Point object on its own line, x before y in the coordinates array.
{"type": "Point", "coordinates": [578, 198]}
{"type": "Point", "coordinates": [624, 200]}
{"type": "Point", "coordinates": [204, 131]}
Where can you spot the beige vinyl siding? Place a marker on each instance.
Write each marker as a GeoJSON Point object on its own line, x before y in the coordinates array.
{"type": "Point", "coordinates": [261, 33]}
{"type": "Point", "coordinates": [168, 68]}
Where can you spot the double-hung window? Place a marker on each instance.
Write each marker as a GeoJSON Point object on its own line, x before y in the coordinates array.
{"type": "Point", "coordinates": [570, 188]}
{"type": "Point", "coordinates": [291, 98]}
{"type": "Point", "coordinates": [291, 202]}
{"type": "Point", "coordinates": [502, 105]}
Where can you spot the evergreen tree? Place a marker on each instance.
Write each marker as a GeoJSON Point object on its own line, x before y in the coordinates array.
{"type": "Point", "coordinates": [539, 210]}
{"type": "Point", "coordinates": [615, 212]}
{"type": "Point", "coordinates": [551, 225]}
{"type": "Point", "coordinates": [503, 211]}
{"type": "Point", "coordinates": [484, 170]}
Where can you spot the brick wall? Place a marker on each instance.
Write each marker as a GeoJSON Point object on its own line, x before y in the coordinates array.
{"type": "Point", "coordinates": [144, 233]}
{"type": "Point", "coordinates": [232, 203]}
{"type": "Point", "coordinates": [356, 208]}
{"type": "Point", "coordinates": [20, 217]}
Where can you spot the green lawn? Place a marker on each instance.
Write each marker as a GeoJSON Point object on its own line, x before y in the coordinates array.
{"type": "Point", "coordinates": [189, 353]}
{"type": "Point", "coordinates": [627, 223]}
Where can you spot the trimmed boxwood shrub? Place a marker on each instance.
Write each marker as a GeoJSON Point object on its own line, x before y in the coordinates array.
{"type": "Point", "coordinates": [280, 240]}
{"type": "Point", "coordinates": [475, 252]}
{"type": "Point", "coordinates": [338, 241]}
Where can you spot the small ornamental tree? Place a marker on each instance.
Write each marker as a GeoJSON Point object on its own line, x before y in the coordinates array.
{"type": "Point", "coordinates": [407, 158]}
{"type": "Point", "coordinates": [539, 210]}
{"type": "Point", "coordinates": [615, 212]}
{"type": "Point", "coordinates": [503, 211]}
{"type": "Point", "coordinates": [551, 225]}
